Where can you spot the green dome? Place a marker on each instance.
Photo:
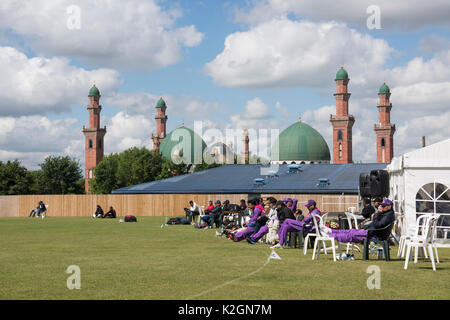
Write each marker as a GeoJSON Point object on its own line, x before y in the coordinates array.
{"type": "Point", "coordinates": [94, 91]}
{"type": "Point", "coordinates": [384, 89]}
{"type": "Point", "coordinates": [342, 74]}
{"type": "Point", "coordinates": [170, 143]}
{"type": "Point", "coordinates": [301, 142]}
{"type": "Point", "coordinates": [161, 103]}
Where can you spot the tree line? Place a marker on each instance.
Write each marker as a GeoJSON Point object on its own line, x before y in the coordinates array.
{"type": "Point", "coordinates": [64, 175]}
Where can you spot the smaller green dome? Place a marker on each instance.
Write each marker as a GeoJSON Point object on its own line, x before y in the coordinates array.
{"type": "Point", "coordinates": [342, 74]}
{"type": "Point", "coordinates": [384, 89]}
{"type": "Point", "coordinates": [161, 103]}
{"type": "Point", "coordinates": [94, 91]}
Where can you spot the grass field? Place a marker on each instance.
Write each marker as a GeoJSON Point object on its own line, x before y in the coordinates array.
{"type": "Point", "coordinates": [144, 261]}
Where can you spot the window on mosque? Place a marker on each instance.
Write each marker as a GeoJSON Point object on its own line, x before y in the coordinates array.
{"type": "Point", "coordinates": [100, 143]}
{"type": "Point", "coordinates": [90, 174]}
{"type": "Point", "coordinates": [340, 150]}
{"type": "Point", "coordinates": [435, 198]}
{"type": "Point", "coordinates": [383, 142]}
{"type": "Point", "coordinates": [90, 144]}
{"type": "Point", "coordinates": [339, 135]}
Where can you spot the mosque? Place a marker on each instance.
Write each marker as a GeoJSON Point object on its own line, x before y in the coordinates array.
{"type": "Point", "coordinates": [299, 143]}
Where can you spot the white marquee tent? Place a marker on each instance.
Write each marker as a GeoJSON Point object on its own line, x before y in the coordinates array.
{"type": "Point", "coordinates": [419, 183]}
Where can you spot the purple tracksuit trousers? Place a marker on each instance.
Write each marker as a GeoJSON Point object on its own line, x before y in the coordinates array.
{"type": "Point", "coordinates": [245, 233]}
{"type": "Point", "coordinates": [349, 235]}
{"type": "Point", "coordinates": [262, 231]}
{"type": "Point", "coordinates": [289, 225]}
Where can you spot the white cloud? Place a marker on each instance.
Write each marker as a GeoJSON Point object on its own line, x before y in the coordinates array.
{"type": "Point", "coordinates": [126, 131]}
{"type": "Point", "coordinates": [395, 15]}
{"type": "Point", "coordinates": [32, 138]}
{"type": "Point", "coordinates": [286, 53]}
{"type": "Point", "coordinates": [133, 34]}
{"type": "Point", "coordinates": [433, 43]}
{"type": "Point", "coordinates": [41, 85]}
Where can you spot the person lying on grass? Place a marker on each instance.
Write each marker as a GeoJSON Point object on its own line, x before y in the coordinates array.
{"type": "Point", "coordinates": [292, 225]}
{"type": "Point", "coordinates": [383, 217]}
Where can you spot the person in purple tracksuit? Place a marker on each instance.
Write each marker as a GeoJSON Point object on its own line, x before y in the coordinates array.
{"type": "Point", "coordinates": [256, 212]}
{"type": "Point", "coordinates": [383, 217]}
{"type": "Point", "coordinates": [265, 229]}
{"type": "Point", "coordinates": [292, 225]}
{"type": "Point", "coordinates": [291, 204]}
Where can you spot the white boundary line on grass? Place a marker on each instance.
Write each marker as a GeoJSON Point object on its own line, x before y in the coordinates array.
{"type": "Point", "coordinates": [234, 280]}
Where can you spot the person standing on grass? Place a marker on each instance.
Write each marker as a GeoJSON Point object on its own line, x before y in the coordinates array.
{"type": "Point", "coordinates": [292, 225]}
{"type": "Point", "coordinates": [111, 213]}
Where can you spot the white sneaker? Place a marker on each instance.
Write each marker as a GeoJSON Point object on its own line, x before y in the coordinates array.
{"type": "Point", "coordinates": [276, 246]}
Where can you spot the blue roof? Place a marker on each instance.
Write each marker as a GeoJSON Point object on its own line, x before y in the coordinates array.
{"type": "Point", "coordinates": [239, 178]}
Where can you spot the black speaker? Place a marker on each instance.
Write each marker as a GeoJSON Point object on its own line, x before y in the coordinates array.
{"type": "Point", "coordinates": [364, 185]}
{"type": "Point", "coordinates": [379, 183]}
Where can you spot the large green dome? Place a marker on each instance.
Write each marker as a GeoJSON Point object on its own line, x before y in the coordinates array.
{"type": "Point", "coordinates": [175, 143]}
{"type": "Point", "coordinates": [94, 91]}
{"type": "Point", "coordinates": [341, 74]}
{"type": "Point", "coordinates": [301, 142]}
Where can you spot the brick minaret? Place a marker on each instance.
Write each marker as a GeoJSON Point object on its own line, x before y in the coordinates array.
{"type": "Point", "coordinates": [384, 129]}
{"type": "Point", "coordinates": [161, 120]}
{"type": "Point", "coordinates": [93, 148]}
{"type": "Point", "coordinates": [246, 153]}
{"type": "Point", "coordinates": [342, 122]}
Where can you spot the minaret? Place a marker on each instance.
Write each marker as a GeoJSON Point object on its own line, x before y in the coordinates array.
{"type": "Point", "coordinates": [246, 153]}
{"type": "Point", "coordinates": [161, 120]}
{"type": "Point", "coordinates": [93, 149]}
{"type": "Point", "coordinates": [342, 122]}
{"type": "Point", "coordinates": [384, 130]}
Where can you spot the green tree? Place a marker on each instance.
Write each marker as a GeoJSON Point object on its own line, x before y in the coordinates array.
{"type": "Point", "coordinates": [60, 175]}
{"type": "Point", "coordinates": [138, 166]}
{"type": "Point", "coordinates": [130, 167]}
{"type": "Point", "coordinates": [170, 169]}
{"type": "Point", "coordinates": [14, 178]}
{"type": "Point", "coordinates": [105, 175]}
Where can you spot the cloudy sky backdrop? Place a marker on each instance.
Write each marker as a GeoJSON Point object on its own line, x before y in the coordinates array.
{"type": "Point", "coordinates": [232, 64]}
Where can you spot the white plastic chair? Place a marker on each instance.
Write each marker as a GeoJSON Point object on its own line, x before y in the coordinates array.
{"type": "Point", "coordinates": [351, 218]}
{"type": "Point", "coordinates": [424, 240]}
{"type": "Point", "coordinates": [404, 238]}
{"type": "Point", "coordinates": [314, 234]}
{"type": "Point", "coordinates": [201, 213]}
{"type": "Point", "coordinates": [321, 238]}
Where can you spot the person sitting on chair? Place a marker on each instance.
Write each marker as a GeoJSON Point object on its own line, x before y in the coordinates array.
{"type": "Point", "coordinates": [99, 212]}
{"type": "Point", "coordinates": [270, 218]}
{"type": "Point", "coordinates": [299, 215]}
{"type": "Point", "coordinates": [291, 204]}
{"type": "Point", "coordinates": [193, 211]}
{"type": "Point", "coordinates": [382, 218]}
{"type": "Point", "coordinates": [41, 208]}
{"type": "Point", "coordinates": [292, 225]}
{"type": "Point", "coordinates": [209, 207]}
{"type": "Point", "coordinates": [243, 206]}
{"type": "Point", "coordinates": [213, 216]}
{"type": "Point", "coordinates": [111, 213]}
{"type": "Point", "coordinates": [256, 212]}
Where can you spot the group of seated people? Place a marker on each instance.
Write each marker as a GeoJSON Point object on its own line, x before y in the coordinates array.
{"type": "Point", "coordinates": [213, 213]}
{"type": "Point", "coordinates": [110, 214]}
{"type": "Point", "coordinates": [275, 219]}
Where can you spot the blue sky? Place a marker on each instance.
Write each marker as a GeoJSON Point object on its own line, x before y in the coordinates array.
{"type": "Point", "coordinates": [281, 61]}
